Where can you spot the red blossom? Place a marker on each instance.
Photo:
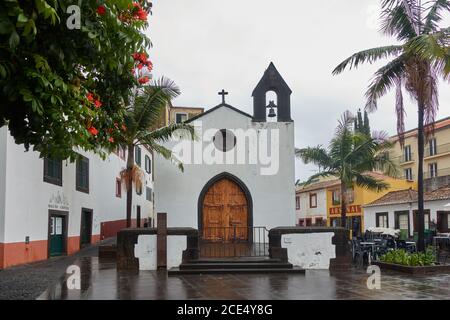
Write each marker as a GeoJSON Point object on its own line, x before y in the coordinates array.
{"type": "Point", "coordinates": [90, 96]}
{"type": "Point", "coordinates": [142, 15]}
{"type": "Point", "coordinates": [143, 80]}
{"type": "Point", "coordinates": [101, 10]}
{"type": "Point", "coordinates": [149, 65]}
{"type": "Point", "coordinates": [111, 139]}
{"type": "Point", "coordinates": [97, 103]}
{"type": "Point", "coordinates": [93, 131]}
{"type": "Point", "coordinates": [140, 66]}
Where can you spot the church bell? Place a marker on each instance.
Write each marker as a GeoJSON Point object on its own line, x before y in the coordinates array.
{"type": "Point", "coordinates": [272, 113]}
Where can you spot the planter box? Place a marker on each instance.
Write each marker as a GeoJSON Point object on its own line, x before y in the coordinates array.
{"type": "Point", "coordinates": [445, 268]}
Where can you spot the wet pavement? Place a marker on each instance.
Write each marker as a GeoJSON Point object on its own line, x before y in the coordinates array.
{"type": "Point", "coordinates": [28, 281]}
{"type": "Point", "coordinates": [100, 280]}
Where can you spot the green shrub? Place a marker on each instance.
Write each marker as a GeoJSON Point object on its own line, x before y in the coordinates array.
{"type": "Point", "coordinates": [402, 257]}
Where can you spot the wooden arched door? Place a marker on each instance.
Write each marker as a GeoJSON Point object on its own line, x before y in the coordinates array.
{"type": "Point", "coordinates": [225, 212]}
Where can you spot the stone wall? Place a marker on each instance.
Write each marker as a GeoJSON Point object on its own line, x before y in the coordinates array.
{"type": "Point", "coordinates": [137, 248]}
{"type": "Point", "coordinates": [311, 247]}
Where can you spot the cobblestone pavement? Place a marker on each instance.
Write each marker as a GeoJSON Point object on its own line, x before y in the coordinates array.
{"type": "Point", "coordinates": [28, 281]}
{"type": "Point", "coordinates": [101, 280]}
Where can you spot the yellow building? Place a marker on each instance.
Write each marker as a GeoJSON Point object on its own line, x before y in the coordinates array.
{"type": "Point", "coordinates": [175, 114]}
{"type": "Point", "coordinates": [437, 156]}
{"type": "Point", "coordinates": [357, 197]}
{"type": "Point", "coordinates": [180, 114]}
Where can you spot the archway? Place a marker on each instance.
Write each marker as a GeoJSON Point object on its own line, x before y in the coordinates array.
{"type": "Point", "coordinates": [225, 210]}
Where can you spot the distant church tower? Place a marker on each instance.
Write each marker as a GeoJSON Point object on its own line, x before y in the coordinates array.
{"type": "Point", "coordinates": [272, 81]}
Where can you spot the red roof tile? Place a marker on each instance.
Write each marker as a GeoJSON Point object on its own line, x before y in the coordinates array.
{"type": "Point", "coordinates": [409, 195]}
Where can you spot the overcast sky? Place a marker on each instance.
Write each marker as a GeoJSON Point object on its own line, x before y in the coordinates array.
{"type": "Point", "coordinates": [207, 45]}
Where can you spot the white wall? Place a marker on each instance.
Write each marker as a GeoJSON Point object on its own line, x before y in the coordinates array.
{"type": "Point", "coordinates": [309, 250]}
{"type": "Point", "coordinates": [3, 136]}
{"type": "Point", "coordinates": [306, 211]}
{"type": "Point", "coordinates": [28, 196]}
{"type": "Point", "coordinates": [146, 251]}
{"type": "Point", "coordinates": [177, 193]}
{"type": "Point", "coordinates": [433, 206]}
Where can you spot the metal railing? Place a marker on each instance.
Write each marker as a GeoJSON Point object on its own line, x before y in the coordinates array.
{"type": "Point", "coordinates": [234, 241]}
{"type": "Point", "coordinates": [438, 173]}
{"type": "Point", "coordinates": [403, 158]}
{"type": "Point", "coordinates": [440, 149]}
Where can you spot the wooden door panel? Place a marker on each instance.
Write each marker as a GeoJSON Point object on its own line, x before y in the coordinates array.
{"type": "Point", "coordinates": [225, 212]}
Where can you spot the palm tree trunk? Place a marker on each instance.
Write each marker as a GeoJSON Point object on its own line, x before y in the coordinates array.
{"type": "Point", "coordinates": [343, 206]}
{"type": "Point", "coordinates": [130, 164]}
{"type": "Point", "coordinates": [420, 147]}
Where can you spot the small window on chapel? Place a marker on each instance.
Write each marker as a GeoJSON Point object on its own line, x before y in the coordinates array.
{"type": "Point", "coordinates": [224, 140]}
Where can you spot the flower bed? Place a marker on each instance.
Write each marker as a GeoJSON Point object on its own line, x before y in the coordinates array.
{"type": "Point", "coordinates": [437, 268]}
{"type": "Point", "coordinates": [413, 263]}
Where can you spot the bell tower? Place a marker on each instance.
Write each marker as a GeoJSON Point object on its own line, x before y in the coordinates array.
{"type": "Point", "coordinates": [272, 81]}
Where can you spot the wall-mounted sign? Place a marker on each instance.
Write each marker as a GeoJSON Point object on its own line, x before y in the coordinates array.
{"type": "Point", "coordinates": [350, 209]}
{"type": "Point", "coordinates": [58, 201]}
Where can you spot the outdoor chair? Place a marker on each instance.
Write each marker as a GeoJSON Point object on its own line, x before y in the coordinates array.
{"type": "Point", "coordinates": [361, 254]}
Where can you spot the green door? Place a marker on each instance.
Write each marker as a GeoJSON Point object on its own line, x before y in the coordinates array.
{"type": "Point", "coordinates": [86, 227]}
{"type": "Point", "coordinates": [57, 236]}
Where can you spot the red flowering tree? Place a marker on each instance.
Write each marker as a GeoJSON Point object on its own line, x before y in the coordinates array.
{"type": "Point", "coordinates": [65, 86]}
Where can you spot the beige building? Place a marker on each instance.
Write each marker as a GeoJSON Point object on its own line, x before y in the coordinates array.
{"type": "Point", "coordinates": [180, 114]}
{"type": "Point", "coordinates": [437, 156]}
{"type": "Point", "coordinates": [173, 114]}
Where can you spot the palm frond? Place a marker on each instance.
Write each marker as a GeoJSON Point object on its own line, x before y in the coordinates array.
{"type": "Point", "coordinates": [400, 18]}
{"type": "Point", "coordinates": [322, 174]}
{"type": "Point", "coordinates": [385, 78]}
{"type": "Point", "coordinates": [345, 123]}
{"type": "Point", "coordinates": [433, 47]}
{"type": "Point", "coordinates": [166, 154]}
{"type": "Point", "coordinates": [132, 176]}
{"type": "Point", "coordinates": [434, 15]}
{"type": "Point", "coordinates": [316, 155]}
{"type": "Point", "coordinates": [368, 182]}
{"type": "Point", "coordinates": [152, 101]}
{"type": "Point", "coordinates": [183, 131]}
{"type": "Point", "coordinates": [369, 56]}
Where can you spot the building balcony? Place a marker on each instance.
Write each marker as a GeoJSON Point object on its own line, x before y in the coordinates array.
{"type": "Point", "coordinates": [440, 173]}
{"type": "Point", "coordinates": [403, 159]}
{"type": "Point", "coordinates": [410, 178]}
{"type": "Point", "coordinates": [438, 151]}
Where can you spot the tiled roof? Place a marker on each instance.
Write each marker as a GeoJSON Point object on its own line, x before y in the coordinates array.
{"type": "Point", "coordinates": [318, 186]}
{"type": "Point", "coordinates": [409, 195]}
{"type": "Point", "coordinates": [439, 194]}
{"type": "Point", "coordinates": [335, 182]}
{"type": "Point", "coordinates": [395, 197]}
{"type": "Point", "coordinates": [438, 124]}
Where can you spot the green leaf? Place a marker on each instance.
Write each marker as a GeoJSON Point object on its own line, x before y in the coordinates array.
{"type": "Point", "coordinates": [22, 18]}
{"type": "Point", "coordinates": [14, 40]}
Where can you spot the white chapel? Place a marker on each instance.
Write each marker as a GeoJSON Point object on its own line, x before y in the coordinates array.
{"type": "Point", "coordinates": [239, 172]}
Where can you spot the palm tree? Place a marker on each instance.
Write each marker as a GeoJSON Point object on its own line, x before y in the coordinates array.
{"type": "Point", "coordinates": [422, 56]}
{"type": "Point", "coordinates": [351, 157]}
{"type": "Point", "coordinates": [141, 121]}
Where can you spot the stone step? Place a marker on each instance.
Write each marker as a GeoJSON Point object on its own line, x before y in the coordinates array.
{"type": "Point", "coordinates": [108, 251]}
{"type": "Point", "coordinates": [235, 260]}
{"type": "Point", "coordinates": [235, 265]}
{"type": "Point", "coordinates": [178, 271]}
